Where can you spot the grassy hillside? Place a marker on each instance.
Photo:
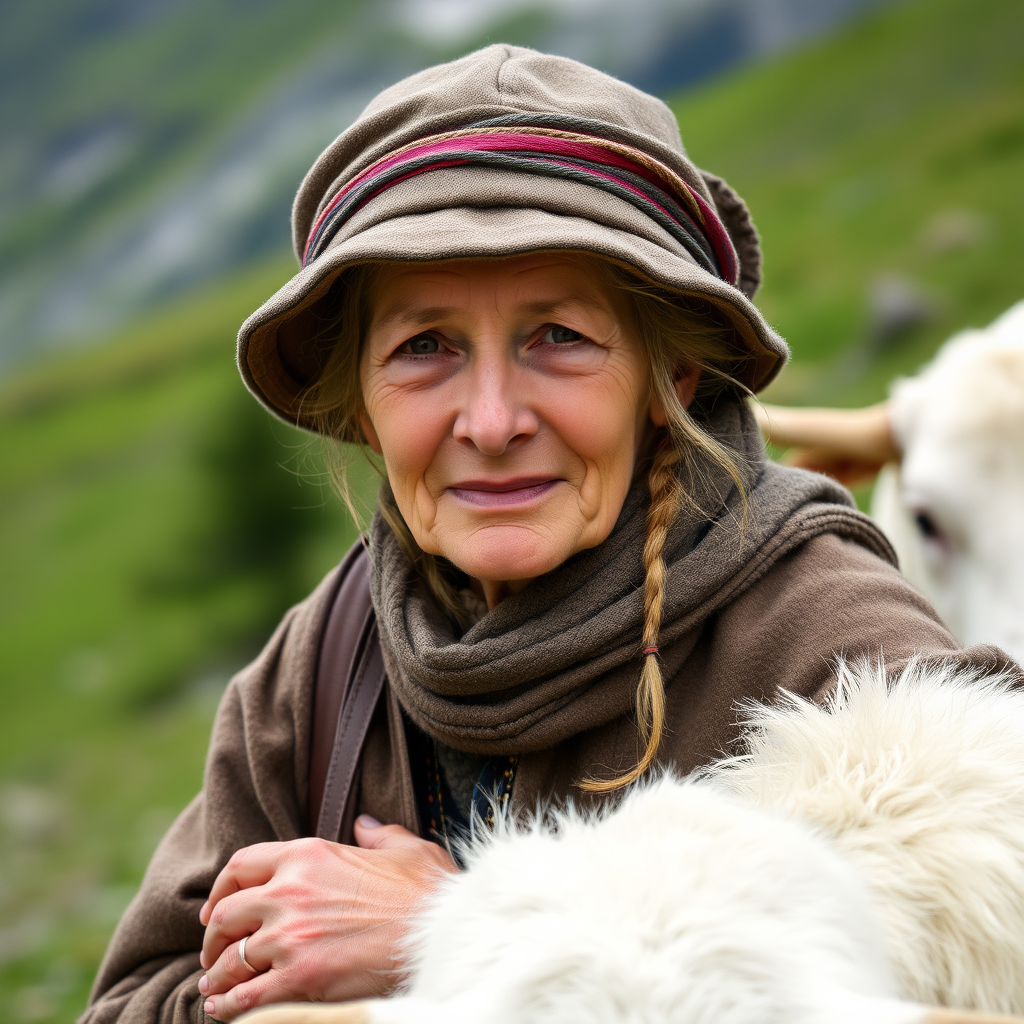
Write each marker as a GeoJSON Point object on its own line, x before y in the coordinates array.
{"type": "Point", "coordinates": [152, 526]}
{"type": "Point", "coordinates": [151, 147]}
{"type": "Point", "coordinates": [105, 104]}
{"type": "Point", "coordinates": [896, 150]}
{"type": "Point", "coordinates": [167, 79]}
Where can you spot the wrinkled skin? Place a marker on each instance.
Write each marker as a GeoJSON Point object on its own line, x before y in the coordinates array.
{"type": "Point", "coordinates": [510, 401]}
{"type": "Point", "coordinates": [326, 921]}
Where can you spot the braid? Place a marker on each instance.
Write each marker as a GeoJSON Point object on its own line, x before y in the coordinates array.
{"type": "Point", "coordinates": [674, 330]}
{"type": "Point", "coordinates": [666, 498]}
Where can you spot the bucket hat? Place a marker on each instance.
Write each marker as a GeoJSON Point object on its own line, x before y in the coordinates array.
{"type": "Point", "coordinates": [503, 152]}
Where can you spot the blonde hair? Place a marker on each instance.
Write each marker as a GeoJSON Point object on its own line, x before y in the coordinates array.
{"type": "Point", "coordinates": [674, 331]}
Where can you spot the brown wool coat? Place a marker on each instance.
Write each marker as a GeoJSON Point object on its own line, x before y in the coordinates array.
{"type": "Point", "coordinates": [829, 596]}
{"type": "Point", "coordinates": [555, 686]}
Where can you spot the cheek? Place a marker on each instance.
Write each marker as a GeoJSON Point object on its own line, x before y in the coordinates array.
{"type": "Point", "coordinates": [602, 423]}
{"type": "Point", "coordinates": [411, 428]}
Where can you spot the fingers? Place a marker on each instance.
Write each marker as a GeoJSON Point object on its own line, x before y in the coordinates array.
{"type": "Point", "coordinates": [326, 925]}
{"type": "Point", "coordinates": [230, 921]}
{"type": "Point", "coordinates": [257, 991]}
{"type": "Point", "coordinates": [249, 867]}
{"type": "Point", "coordinates": [372, 835]}
{"type": "Point", "coordinates": [252, 865]}
{"type": "Point", "coordinates": [229, 970]}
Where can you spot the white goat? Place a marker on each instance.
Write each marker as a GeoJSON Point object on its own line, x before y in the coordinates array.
{"type": "Point", "coordinates": [857, 866]}
{"type": "Point", "coordinates": [952, 497]}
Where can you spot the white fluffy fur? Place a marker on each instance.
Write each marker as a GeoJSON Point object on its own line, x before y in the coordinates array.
{"type": "Point", "coordinates": [960, 425]}
{"type": "Point", "coordinates": [921, 787]}
{"type": "Point", "coordinates": [856, 863]}
{"type": "Point", "coordinates": [657, 912]}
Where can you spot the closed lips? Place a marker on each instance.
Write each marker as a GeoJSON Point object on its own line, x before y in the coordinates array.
{"type": "Point", "coordinates": [491, 494]}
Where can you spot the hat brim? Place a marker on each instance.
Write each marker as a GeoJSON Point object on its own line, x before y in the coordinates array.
{"type": "Point", "coordinates": [479, 214]}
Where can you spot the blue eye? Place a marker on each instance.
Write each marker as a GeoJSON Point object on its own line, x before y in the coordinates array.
{"type": "Point", "coordinates": [558, 335]}
{"type": "Point", "coordinates": [421, 345]}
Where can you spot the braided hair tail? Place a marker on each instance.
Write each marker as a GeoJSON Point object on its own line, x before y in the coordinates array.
{"type": "Point", "coordinates": [666, 498]}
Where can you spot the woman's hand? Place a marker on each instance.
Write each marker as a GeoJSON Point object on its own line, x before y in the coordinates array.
{"type": "Point", "coordinates": [324, 921]}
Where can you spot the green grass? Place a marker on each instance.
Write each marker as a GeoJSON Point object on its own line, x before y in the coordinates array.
{"type": "Point", "coordinates": [110, 499]}
{"type": "Point", "coordinates": [850, 155]}
{"type": "Point", "coordinates": [149, 543]}
{"type": "Point", "coordinates": [148, 539]}
{"type": "Point", "coordinates": [175, 79]}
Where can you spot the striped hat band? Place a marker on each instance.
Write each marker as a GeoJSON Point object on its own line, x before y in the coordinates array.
{"type": "Point", "coordinates": [523, 143]}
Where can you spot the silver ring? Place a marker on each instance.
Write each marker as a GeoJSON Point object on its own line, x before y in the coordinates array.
{"type": "Point", "coordinates": [241, 955]}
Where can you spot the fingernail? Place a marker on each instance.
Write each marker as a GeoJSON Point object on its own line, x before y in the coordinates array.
{"type": "Point", "coordinates": [368, 822]}
{"type": "Point", "coordinates": [204, 984]}
{"type": "Point", "coordinates": [208, 1007]}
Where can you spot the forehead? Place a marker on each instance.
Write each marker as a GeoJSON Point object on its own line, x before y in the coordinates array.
{"type": "Point", "coordinates": [539, 278]}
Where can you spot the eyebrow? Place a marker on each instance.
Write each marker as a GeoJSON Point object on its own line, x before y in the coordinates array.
{"type": "Point", "coordinates": [409, 314]}
{"type": "Point", "coordinates": [550, 305]}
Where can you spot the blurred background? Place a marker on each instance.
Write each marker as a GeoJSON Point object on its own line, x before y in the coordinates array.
{"type": "Point", "coordinates": [154, 523]}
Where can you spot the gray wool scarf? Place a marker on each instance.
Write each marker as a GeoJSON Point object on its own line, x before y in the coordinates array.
{"type": "Point", "coordinates": [563, 655]}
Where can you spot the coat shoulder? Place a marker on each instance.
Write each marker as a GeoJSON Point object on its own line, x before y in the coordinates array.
{"type": "Point", "coordinates": [829, 599]}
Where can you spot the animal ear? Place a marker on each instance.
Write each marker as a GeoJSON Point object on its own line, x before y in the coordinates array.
{"type": "Point", "coordinates": [942, 1015]}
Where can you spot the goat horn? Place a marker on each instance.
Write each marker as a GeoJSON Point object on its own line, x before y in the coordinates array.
{"type": "Point", "coordinates": [938, 1015]}
{"type": "Point", "coordinates": [864, 435]}
{"type": "Point", "coordinates": [317, 1013]}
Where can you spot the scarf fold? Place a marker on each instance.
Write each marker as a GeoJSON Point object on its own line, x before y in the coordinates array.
{"type": "Point", "coordinates": [563, 655]}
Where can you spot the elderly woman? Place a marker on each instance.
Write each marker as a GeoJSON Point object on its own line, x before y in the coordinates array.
{"type": "Point", "coordinates": [521, 294]}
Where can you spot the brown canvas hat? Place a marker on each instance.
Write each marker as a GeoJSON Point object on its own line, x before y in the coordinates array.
{"type": "Point", "coordinates": [503, 152]}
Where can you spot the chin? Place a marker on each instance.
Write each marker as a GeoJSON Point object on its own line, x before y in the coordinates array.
{"type": "Point", "coordinates": [506, 553]}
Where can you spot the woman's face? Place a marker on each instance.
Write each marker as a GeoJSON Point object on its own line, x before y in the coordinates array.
{"type": "Point", "coordinates": [509, 399]}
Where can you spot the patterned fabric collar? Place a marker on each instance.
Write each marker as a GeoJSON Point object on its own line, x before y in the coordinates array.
{"type": "Point", "coordinates": [440, 818]}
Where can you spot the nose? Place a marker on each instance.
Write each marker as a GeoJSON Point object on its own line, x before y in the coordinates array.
{"type": "Point", "coordinates": [494, 413]}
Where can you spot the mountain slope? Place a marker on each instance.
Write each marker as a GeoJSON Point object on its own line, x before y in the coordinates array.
{"type": "Point", "coordinates": [892, 152]}
{"type": "Point", "coordinates": [129, 472]}
{"type": "Point", "coordinates": [153, 146]}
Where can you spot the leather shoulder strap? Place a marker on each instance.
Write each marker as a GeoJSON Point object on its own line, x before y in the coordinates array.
{"type": "Point", "coordinates": [349, 681]}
